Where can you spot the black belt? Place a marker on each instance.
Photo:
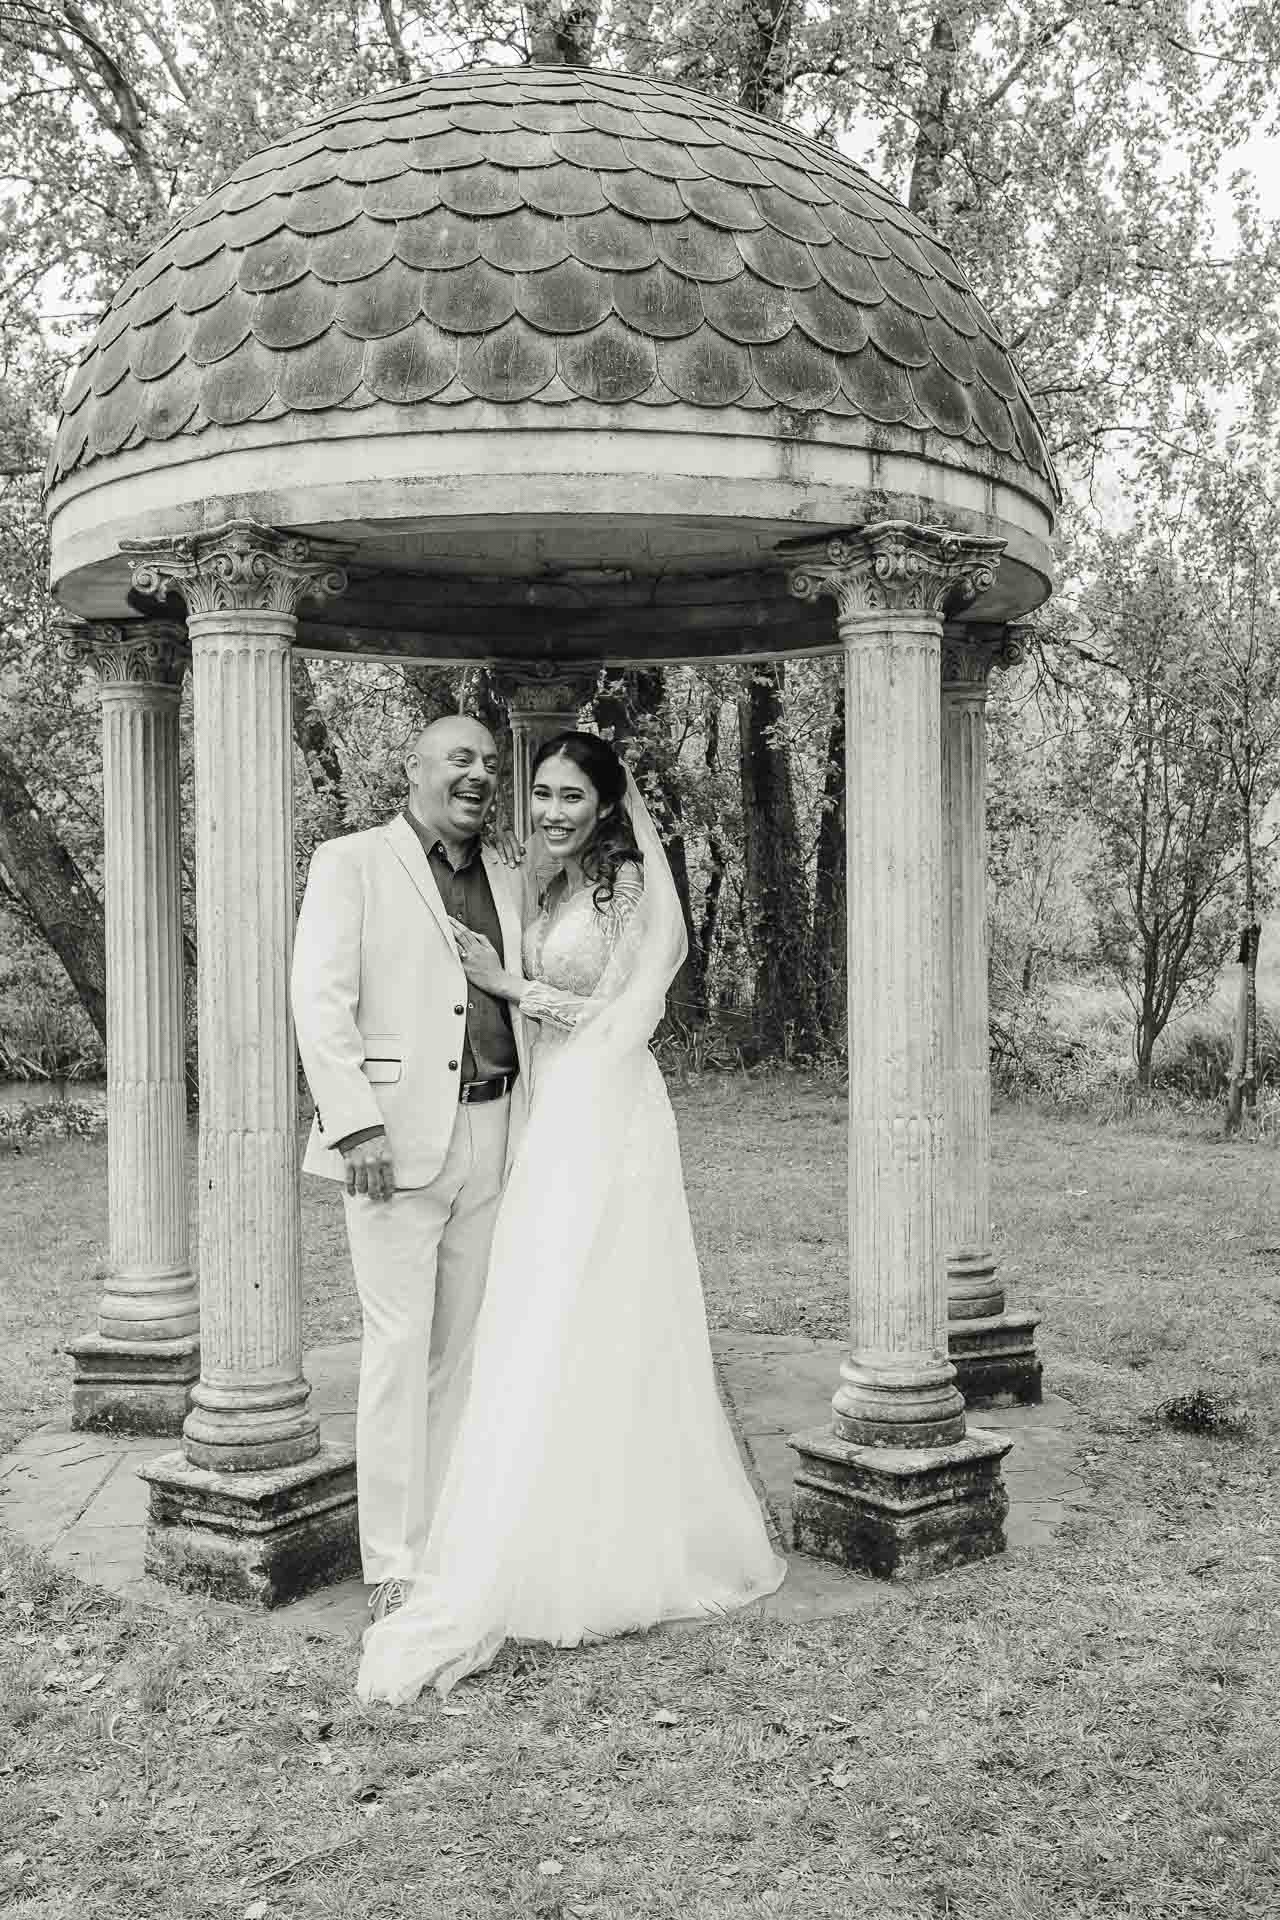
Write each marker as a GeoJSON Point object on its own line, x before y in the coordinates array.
{"type": "Point", "coordinates": [494, 1089]}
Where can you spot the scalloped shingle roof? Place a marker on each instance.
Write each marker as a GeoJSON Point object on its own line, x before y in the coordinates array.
{"type": "Point", "coordinates": [546, 234]}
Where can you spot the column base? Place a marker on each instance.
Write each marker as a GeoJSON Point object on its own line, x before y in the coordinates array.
{"type": "Point", "coordinates": [995, 1359]}
{"type": "Point", "coordinates": [132, 1386]}
{"type": "Point", "coordinates": [259, 1539]}
{"type": "Point", "coordinates": [899, 1513]}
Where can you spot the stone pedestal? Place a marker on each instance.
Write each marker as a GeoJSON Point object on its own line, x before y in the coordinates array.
{"type": "Point", "coordinates": [993, 1351]}
{"type": "Point", "coordinates": [135, 1372]}
{"type": "Point", "coordinates": [259, 1539]}
{"type": "Point", "coordinates": [896, 1488]}
{"type": "Point", "coordinates": [541, 701]}
{"type": "Point", "coordinates": [250, 1496]}
{"type": "Point", "coordinates": [898, 1513]}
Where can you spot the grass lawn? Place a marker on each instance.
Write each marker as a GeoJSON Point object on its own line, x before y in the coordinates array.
{"type": "Point", "coordinates": [1087, 1729]}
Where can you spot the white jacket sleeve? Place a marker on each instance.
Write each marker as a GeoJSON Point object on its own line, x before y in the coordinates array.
{"type": "Point", "coordinates": [326, 994]}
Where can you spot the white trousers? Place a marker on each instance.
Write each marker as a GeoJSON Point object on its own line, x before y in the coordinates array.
{"type": "Point", "coordinates": [420, 1261]}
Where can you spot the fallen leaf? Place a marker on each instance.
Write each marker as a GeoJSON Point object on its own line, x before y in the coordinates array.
{"type": "Point", "coordinates": [256, 1910]}
{"type": "Point", "coordinates": [94, 1680]}
{"type": "Point", "coordinates": [549, 1867]}
{"type": "Point", "coordinates": [456, 1713]}
{"type": "Point", "coordinates": [665, 1718]}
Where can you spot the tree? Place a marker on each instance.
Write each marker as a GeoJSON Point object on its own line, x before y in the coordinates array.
{"type": "Point", "coordinates": [1232, 551]}
{"type": "Point", "coordinates": [1150, 775]}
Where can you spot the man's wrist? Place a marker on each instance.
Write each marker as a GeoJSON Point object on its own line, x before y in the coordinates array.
{"type": "Point", "coordinates": [357, 1139]}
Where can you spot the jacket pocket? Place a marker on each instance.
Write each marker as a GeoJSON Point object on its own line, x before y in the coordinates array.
{"type": "Point", "coordinates": [381, 1072]}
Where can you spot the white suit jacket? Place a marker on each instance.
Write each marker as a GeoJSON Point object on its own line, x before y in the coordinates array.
{"type": "Point", "coordinates": [380, 998]}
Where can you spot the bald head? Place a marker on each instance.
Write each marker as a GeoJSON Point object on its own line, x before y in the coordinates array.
{"type": "Point", "coordinates": [442, 734]}
{"type": "Point", "coordinates": [452, 769]}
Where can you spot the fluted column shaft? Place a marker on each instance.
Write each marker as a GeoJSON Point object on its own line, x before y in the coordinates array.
{"type": "Point", "coordinates": [890, 583]}
{"type": "Point", "coordinates": [134, 1372]}
{"type": "Point", "coordinates": [151, 1291]}
{"type": "Point", "coordinates": [242, 585]}
{"type": "Point", "coordinates": [973, 1291]}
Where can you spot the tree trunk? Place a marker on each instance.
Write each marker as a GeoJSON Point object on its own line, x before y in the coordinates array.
{"type": "Point", "coordinates": [54, 891]}
{"type": "Point", "coordinates": [1242, 1089]}
{"type": "Point", "coordinates": [830, 928]}
{"type": "Point", "coordinates": [777, 907]}
{"type": "Point", "coordinates": [934, 138]}
{"type": "Point", "coordinates": [766, 49]}
{"type": "Point", "coordinates": [314, 740]}
{"type": "Point", "coordinates": [632, 707]}
{"type": "Point", "coordinates": [561, 32]}
{"type": "Point", "coordinates": [1145, 1040]}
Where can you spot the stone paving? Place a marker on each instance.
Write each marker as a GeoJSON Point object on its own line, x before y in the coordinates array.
{"type": "Point", "coordinates": [77, 1496]}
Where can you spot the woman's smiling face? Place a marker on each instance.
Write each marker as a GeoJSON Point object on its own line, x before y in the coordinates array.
{"type": "Point", "coordinates": [564, 806]}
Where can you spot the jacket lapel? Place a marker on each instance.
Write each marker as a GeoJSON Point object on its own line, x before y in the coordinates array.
{"type": "Point", "coordinates": [500, 886]}
{"type": "Point", "coordinates": [409, 851]}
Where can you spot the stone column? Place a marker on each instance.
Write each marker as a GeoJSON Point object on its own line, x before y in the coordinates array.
{"type": "Point", "coordinates": [992, 1351]}
{"type": "Point", "coordinates": [134, 1374]}
{"type": "Point", "coordinates": [895, 1486]}
{"type": "Point", "coordinates": [542, 700]}
{"type": "Point", "coordinates": [254, 1507]}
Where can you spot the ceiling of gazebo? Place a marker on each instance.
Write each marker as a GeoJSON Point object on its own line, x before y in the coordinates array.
{"type": "Point", "coordinates": [556, 256]}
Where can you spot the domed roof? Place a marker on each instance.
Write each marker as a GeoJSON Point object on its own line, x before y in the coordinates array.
{"type": "Point", "coordinates": [550, 235]}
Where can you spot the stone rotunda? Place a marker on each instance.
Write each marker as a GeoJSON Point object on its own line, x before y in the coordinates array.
{"type": "Point", "coordinates": [543, 368]}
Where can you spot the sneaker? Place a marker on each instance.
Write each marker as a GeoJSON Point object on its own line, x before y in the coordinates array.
{"type": "Point", "coordinates": [386, 1597]}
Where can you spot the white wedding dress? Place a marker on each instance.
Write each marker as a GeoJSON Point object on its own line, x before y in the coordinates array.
{"type": "Point", "coordinates": [594, 1485]}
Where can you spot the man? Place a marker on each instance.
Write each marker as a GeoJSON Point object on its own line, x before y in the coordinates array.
{"type": "Point", "coordinates": [412, 1073]}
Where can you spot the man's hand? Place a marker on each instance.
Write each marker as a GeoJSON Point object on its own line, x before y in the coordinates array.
{"type": "Point", "coordinates": [370, 1169]}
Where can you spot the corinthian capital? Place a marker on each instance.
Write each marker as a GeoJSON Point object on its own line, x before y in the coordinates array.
{"type": "Point", "coordinates": [897, 566]}
{"type": "Point", "coordinates": [545, 687]}
{"type": "Point", "coordinates": [128, 653]}
{"type": "Point", "coordinates": [971, 654]}
{"type": "Point", "coordinates": [239, 566]}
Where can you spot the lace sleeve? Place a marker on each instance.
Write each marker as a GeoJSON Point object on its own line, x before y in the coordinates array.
{"type": "Point", "coordinates": [552, 1004]}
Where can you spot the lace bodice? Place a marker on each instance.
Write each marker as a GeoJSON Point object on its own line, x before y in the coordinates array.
{"type": "Point", "coordinates": [568, 946]}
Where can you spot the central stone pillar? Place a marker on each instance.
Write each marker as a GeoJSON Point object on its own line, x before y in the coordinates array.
{"type": "Point", "coordinates": [254, 1508]}
{"type": "Point", "coordinates": [542, 700]}
{"type": "Point", "coordinates": [895, 1486]}
{"type": "Point", "coordinates": [993, 1351]}
{"type": "Point", "coordinates": [135, 1372]}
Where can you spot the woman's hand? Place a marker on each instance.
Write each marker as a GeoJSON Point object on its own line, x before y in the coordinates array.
{"type": "Point", "coordinates": [508, 849]}
{"type": "Point", "coordinates": [481, 963]}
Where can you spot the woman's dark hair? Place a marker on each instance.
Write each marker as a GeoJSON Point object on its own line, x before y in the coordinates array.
{"type": "Point", "coordinates": [612, 843]}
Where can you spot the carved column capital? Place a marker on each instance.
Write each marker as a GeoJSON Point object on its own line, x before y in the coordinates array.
{"type": "Point", "coordinates": [544, 687]}
{"type": "Point", "coordinates": [971, 654]}
{"type": "Point", "coordinates": [237, 567]}
{"type": "Point", "coordinates": [897, 566]}
{"type": "Point", "coordinates": [128, 653]}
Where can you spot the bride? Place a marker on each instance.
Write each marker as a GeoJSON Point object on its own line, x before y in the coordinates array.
{"type": "Point", "coordinates": [594, 1486]}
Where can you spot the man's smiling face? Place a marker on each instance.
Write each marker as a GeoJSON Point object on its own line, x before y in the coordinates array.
{"type": "Point", "coordinates": [453, 774]}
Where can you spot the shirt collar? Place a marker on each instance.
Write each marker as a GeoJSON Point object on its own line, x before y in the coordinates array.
{"type": "Point", "coordinates": [437, 845]}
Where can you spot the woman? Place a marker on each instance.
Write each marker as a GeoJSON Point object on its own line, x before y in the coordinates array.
{"type": "Point", "coordinates": [594, 1486]}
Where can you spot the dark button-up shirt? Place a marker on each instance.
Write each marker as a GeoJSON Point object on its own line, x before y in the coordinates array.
{"type": "Point", "coordinates": [489, 1048]}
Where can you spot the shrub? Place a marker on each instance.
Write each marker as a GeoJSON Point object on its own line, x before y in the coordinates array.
{"type": "Point", "coordinates": [1204, 1410]}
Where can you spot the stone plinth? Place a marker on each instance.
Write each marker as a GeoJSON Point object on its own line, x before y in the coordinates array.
{"type": "Point", "coordinates": [134, 1374]}
{"type": "Point", "coordinates": [899, 1513]}
{"type": "Point", "coordinates": [995, 1359]}
{"type": "Point", "coordinates": [993, 1352]}
{"type": "Point", "coordinates": [895, 1488]}
{"type": "Point", "coordinates": [260, 1539]}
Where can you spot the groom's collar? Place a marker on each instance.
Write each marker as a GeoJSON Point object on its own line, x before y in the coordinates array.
{"type": "Point", "coordinates": [432, 843]}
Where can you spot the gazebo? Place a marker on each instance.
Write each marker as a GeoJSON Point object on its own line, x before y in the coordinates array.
{"type": "Point", "coordinates": [543, 368]}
